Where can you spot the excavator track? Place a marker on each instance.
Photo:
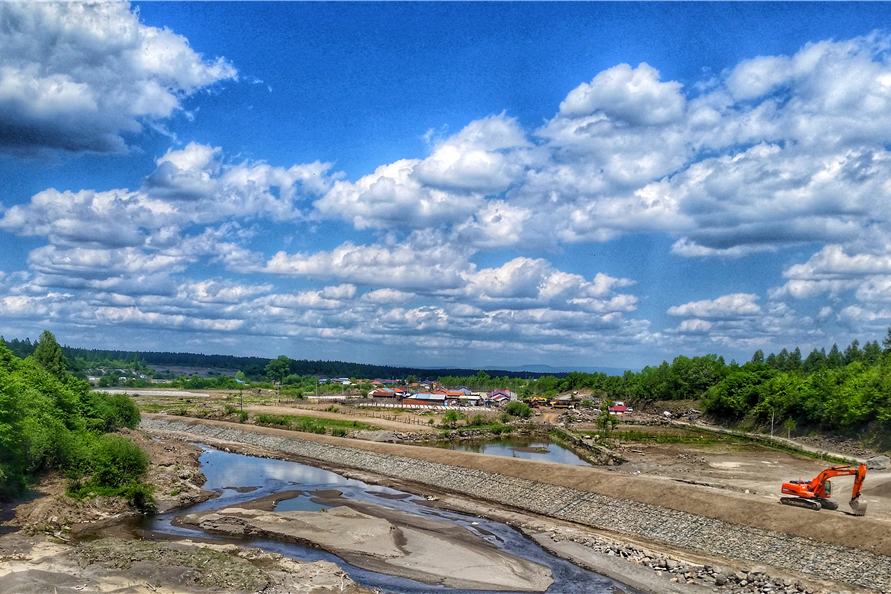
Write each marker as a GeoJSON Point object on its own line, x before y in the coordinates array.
{"type": "Point", "coordinates": [801, 502]}
{"type": "Point", "coordinates": [827, 503]}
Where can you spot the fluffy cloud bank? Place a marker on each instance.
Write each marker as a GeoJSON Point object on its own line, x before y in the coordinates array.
{"type": "Point", "coordinates": [78, 77]}
{"type": "Point", "coordinates": [777, 152]}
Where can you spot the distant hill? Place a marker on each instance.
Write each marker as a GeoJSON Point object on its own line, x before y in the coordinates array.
{"type": "Point", "coordinates": [254, 367]}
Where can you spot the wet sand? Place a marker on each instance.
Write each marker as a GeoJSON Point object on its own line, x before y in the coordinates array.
{"type": "Point", "coordinates": [384, 540]}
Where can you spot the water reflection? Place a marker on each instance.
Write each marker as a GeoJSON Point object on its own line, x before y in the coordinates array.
{"type": "Point", "coordinates": [226, 472]}
{"type": "Point", "coordinates": [527, 449]}
{"type": "Point", "coordinates": [230, 470]}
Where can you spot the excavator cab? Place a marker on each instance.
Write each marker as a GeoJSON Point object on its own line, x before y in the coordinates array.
{"type": "Point", "coordinates": [827, 488]}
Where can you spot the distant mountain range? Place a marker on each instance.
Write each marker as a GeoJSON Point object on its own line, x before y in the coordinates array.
{"type": "Point", "coordinates": [255, 366]}
{"type": "Point", "coordinates": [549, 369]}
{"type": "Point", "coordinates": [536, 369]}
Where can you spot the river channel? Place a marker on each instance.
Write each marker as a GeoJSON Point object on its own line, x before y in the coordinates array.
{"type": "Point", "coordinates": [240, 478]}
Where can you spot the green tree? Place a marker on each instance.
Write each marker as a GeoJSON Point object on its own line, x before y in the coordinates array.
{"type": "Point", "coordinates": [853, 352]}
{"type": "Point", "coordinates": [758, 357]}
{"type": "Point", "coordinates": [48, 355]}
{"type": "Point", "coordinates": [451, 418]}
{"type": "Point", "coordinates": [835, 359]}
{"type": "Point", "coordinates": [606, 422]}
{"type": "Point", "coordinates": [13, 442]}
{"type": "Point", "coordinates": [816, 360]}
{"type": "Point", "coordinates": [886, 343]}
{"type": "Point", "coordinates": [795, 360]}
{"type": "Point", "coordinates": [872, 352]}
{"type": "Point", "coordinates": [789, 425]}
{"type": "Point", "coordinates": [277, 369]}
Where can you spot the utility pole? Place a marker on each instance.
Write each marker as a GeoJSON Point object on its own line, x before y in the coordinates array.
{"type": "Point", "coordinates": [773, 415]}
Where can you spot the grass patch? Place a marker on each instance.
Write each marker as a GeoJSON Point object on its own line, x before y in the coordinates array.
{"type": "Point", "coordinates": [692, 437]}
{"type": "Point", "coordinates": [280, 420]}
{"type": "Point", "coordinates": [311, 424]}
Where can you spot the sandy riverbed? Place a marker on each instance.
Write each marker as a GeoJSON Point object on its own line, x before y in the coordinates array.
{"type": "Point", "coordinates": [384, 540]}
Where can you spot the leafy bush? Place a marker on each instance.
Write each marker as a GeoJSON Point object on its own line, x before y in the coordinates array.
{"type": "Point", "coordinates": [451, 418]}
{"type": "Point", "coordinates": [518, 409]}
{"type": "Point", "coordinates": [117, 461]}
{"type": "Point", "coordinates": [501, 429]}
{"type": "Point", "coordinates": [478, 420]}
{"type": "Point", "coordinates": [339, 432]}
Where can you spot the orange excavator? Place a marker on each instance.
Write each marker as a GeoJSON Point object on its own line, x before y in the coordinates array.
{"type": "Point", "coordinates": [815, 494]}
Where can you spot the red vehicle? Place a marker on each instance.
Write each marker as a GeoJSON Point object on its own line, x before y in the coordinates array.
{"type": "Point", "coordinates": [815, 494]}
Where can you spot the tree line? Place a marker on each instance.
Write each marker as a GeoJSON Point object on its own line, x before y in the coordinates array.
{"type": "Point", "coordinates": [254, 368]}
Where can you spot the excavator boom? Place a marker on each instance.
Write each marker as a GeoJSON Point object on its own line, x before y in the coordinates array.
{"type": "Point", "coordinates": [815, 494]}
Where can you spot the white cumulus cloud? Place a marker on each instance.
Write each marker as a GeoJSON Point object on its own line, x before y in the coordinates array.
{"type": "Point", "coordinates": [77, 76]}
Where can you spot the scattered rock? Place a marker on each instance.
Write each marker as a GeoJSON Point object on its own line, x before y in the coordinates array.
{"type": "Point", "coordinates": [878, 463]}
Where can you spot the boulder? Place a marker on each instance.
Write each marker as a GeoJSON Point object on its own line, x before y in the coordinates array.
{"type": "Point", "coordinates": [878, 463]}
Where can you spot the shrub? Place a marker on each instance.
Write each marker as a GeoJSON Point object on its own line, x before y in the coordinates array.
{"type": "Point", "coordinates": [478, 420]}
{"type": "Point", "coordinates": [124, 412]}
{"type": "Point", "coordinates": [500, 429]}
{"type": "Point", "coordinates": [450, 419]}
{"type": "Point", "coordinates": [518, 409]}
{"type": "Point", "coordinates": [140, 496]}
{"type": "Point", "coordinates": [339, 432]}
{"type": "Point", "coordinates": [117, 461]}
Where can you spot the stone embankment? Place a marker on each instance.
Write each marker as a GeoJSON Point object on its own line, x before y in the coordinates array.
{"type": "Point", "coordinates": [821, 561]}
{"type": "Point", "coordinates": [712, 576]}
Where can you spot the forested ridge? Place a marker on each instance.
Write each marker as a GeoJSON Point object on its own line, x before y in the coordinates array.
{"type": "Point", "coordinates": [843, 390]}
{"type": "Point", "coordinates": [252, 367]}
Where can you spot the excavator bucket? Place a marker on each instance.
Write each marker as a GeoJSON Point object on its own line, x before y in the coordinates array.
{"type": "Point", "coordinates": [858, 506]}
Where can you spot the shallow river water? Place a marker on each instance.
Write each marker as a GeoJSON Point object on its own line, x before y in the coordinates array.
{"type": "Point", "coordinates": [527, 449]}
{"type": "Point", "coordinates": [228, 474]}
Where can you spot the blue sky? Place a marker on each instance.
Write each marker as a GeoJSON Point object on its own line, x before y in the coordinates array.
{"type": "Point", "coordinates": [476, 185]}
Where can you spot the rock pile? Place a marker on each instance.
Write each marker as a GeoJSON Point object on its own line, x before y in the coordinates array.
{"type": "Point", "coordinates": [837, 443]}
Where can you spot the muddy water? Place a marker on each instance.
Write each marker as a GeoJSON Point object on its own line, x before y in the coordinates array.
{"type": "Point", "coordinates": [240, 478]}
{"type": "Point", "coordinates": [528, 449]}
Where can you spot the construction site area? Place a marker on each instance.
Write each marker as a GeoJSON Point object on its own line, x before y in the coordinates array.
{"type": "Point", "coordinates": [659, 503]}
